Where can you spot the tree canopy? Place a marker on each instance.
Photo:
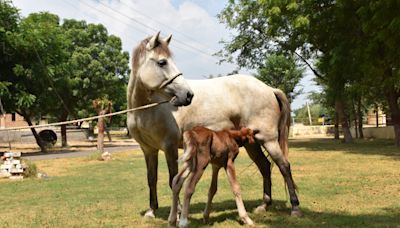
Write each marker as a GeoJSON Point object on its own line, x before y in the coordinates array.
{"type": "Point", "coordinates": [354, 45]}
{"type": "Point", "coordinates": [56, 69]}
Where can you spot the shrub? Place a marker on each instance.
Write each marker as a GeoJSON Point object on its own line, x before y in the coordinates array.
{"type": "Point", "coordinates": [30, 169]}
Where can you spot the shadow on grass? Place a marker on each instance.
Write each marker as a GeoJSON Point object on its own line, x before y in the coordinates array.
{"type": "Point", "coordinates": [278, 215]}
{"type": "Point", "coordinates": [359, 146]}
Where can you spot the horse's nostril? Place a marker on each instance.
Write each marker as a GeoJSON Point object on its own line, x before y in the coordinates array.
{"type": "Point", "coordinates": [189, 97]}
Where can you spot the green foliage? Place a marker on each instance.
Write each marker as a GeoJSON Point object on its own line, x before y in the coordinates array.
{"type": "Point", "coordinates": [316, 111]}
{"type": "Point", "coordinates": [281, 71]}
{"type": "Point", "coordinates": [355, 44]}
{"type": "Point", "coordinates": [31, 169]}
{"type": "Point", "coordinates": [57, 70]}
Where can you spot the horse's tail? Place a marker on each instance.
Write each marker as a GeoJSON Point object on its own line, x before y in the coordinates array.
{"type": "Point", "coordinates": [284, 121]}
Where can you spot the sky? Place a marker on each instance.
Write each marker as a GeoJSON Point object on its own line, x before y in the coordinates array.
{"type": "Point", "coordinates": [196, 31]}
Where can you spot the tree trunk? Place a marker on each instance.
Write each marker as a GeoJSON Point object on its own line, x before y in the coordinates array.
{"type": "Point", "coordinates": [360, 119]}
{"type": "Point", "coordinates": [339, 106]}
{"type": "Point", "coordinates": [64, 135]}
{"type": "Point", "coordinates": [101, 109]}
{"type": "Point", "coordinates": [39, 141]}
{"type": "Point", "coordinates": [392, 98]}
{"type": "Point", "coordinates": [108, 132]}
{"type": "Point", "coordinates": [100, 135]}
{"type": "Point", "coordinates": [336, 125]}
{"type": "Point", "coordinates": [355, 120]}
{"type": "Point", "coordinates": [64, 129]}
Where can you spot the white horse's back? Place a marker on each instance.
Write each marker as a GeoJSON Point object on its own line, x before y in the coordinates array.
{"type": "Point", "coordinates": [228, 101]}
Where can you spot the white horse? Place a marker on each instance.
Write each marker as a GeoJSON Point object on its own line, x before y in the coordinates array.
{"type": "Point", "coordinates": [226, 102]}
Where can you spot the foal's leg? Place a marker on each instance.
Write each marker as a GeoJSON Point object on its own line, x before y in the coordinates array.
{"type": "Point", "coordinates": [284, 166]}
{"type": "Point", "coordinates": [211, 193]}
{"type": "Point", "coordinates": [264, 166]}
{"type": "Point", "coordinates": [151, 157]}
{"type": "Point", "coordinates": [190, 186]}
{"type": "Point", "coordinates": [177, 183]}
{"type": "Point", "coordinates": [230, 170]}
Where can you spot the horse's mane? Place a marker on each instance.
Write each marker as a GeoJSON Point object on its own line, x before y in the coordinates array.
{"type": "Point", "coordinates": [140, 50]}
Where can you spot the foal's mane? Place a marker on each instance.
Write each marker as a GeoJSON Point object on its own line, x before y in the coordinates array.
{"type": "Point", "coordinates": [140, 51]}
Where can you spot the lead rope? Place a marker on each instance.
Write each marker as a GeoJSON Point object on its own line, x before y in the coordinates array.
{"type": "Point", "coordinates": [85, 119]}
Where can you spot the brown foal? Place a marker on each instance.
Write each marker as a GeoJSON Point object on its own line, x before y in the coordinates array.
{"type": "Point", "coordinates": [201, 147]}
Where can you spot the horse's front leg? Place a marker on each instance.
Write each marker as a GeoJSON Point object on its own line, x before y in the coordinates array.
{"type": "Point", "coordinates": [171, 155]}
{"type": "Point", "coordinates": [264, 166]}
{"type": "Point", "coordinates": [151, 157]}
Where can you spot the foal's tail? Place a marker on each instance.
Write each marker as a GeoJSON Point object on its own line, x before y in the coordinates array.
{"type": "Point", "coordinates": [284, 121]}
{"type": "Point", "coordinates": [189, 154]}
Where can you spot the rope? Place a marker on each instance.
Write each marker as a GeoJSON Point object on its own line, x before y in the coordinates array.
{"type": "Point", "coordinates": [85, 119]}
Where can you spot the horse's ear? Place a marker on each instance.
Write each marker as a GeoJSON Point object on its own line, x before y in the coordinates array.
{"type": "Point", "coordinates": [153, 41]}
{"type": "Point", "coordinates": [168, 39]}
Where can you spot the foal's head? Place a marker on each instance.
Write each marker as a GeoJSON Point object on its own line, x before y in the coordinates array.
{"type": "Point", "coordinates": [242, 136]}
{"type": "Point", "coordinates": [152, 64]}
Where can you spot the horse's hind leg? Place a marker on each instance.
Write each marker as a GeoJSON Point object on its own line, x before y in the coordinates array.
{"type": "Point", "coordinates": [230, 171]}
{"type": "Point", "coordinates": [211, 193]}
{"type": "Point", "coordinates": [151, 156]}
{"type": "Point", "coordinates": [264, 166]}
{"type": "Point", "coordinates": [284, 166]}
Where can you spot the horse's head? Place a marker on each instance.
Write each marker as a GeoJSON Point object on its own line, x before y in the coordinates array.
{"type": "Point", "coordinates": [153, 65]}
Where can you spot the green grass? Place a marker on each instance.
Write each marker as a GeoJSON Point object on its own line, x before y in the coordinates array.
{"type": "Point", "coordinates": [339, 186]}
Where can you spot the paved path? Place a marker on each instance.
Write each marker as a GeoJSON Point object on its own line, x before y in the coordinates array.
{"type": "Point", "coordinates": [74, 154]}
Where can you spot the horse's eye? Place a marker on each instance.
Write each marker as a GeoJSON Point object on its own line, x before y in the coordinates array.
{"type": "Point", "coordinates": [162, 62]}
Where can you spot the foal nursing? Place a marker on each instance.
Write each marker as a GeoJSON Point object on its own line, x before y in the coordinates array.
{"type": "Point", "coordinates": [201, 147]}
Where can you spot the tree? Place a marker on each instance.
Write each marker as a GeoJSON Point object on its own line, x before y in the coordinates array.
{"type": "Point", "coordinates": [56, 70]}
{"type": "Point", "coordinates": [322, 30]}
{"type": "Point", "coordinates": [380, 22]}
{"type": "Point", "coordinates": [97, 68]}
{"type": "Point", "coordinates": [254, 48]}
{"type": "Point", "coordinates": [9, 19]}
{"type": "Point", "coordinates": [281, 71]}
{"type": "Point", "coordinates": [37, 52]}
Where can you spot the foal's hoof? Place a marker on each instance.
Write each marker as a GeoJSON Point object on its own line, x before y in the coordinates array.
{"type": "Point", "coordinates": [149, 214]}
{"type": "Point", "coordinates": [296, 213]}
{"type": "Point", "coordinates": [206, 219]}
{"type": "Point", "coordinates": [260, 209]}
{"type": "Point", "coordinates": [247, 220]}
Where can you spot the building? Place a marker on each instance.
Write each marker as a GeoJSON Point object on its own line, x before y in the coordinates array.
{"type": "Point", "coordinates": [12, 120]}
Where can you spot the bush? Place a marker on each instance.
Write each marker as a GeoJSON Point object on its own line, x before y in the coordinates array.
{"type": "Point", "coordinates": [30, 169]}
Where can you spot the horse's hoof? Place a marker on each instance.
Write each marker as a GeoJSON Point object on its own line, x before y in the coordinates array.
{"type": "Point", "coordinates": [260, 209]}
{"type": "Point", "coordinates": [296, 213]}
{"type": "Point", "coordinates": [149, 214]}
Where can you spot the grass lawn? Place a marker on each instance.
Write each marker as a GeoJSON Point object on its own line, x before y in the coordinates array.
{"type": "Point", "coordinates": [339, 185]}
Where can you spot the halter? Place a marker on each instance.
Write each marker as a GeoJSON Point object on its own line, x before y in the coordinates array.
{"type": "Point", "coordinates": [168, 81]}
